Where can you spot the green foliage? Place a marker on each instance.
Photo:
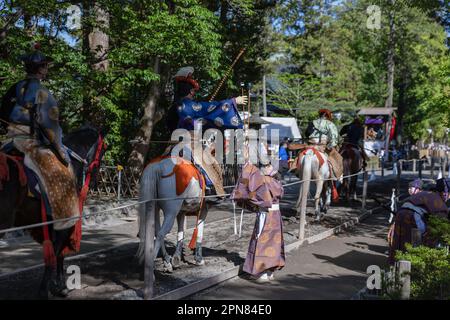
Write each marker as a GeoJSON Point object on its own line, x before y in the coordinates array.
{"type": "Point", "coordinates": [430, 276]}
{"type": "Point", "coordinates": [326, 51]}
{"type": "Point", "coordinates": [439, 229]}
{"type": "Point", "coordinates": [204, 34]}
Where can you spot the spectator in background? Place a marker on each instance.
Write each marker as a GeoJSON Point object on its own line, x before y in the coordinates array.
{"type": "Point", "coordinates": [284, 157]}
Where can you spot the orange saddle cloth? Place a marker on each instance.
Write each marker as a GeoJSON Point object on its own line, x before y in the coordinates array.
{"type": "Point", "coordinates": [184, 171]}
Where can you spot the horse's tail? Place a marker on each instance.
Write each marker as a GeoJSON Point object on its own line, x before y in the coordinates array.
{"type": "Point", "coordinates": [147, 190]}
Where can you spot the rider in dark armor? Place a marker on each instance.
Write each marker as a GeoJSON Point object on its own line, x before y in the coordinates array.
{"type": "Point", "coordinates": [353, 134]}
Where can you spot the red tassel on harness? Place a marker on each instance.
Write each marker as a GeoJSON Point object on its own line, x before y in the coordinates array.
{"type": "Point", "coordinates": [193, 242]}
{"type": "Point", "coordinates": [49, 254]}
{"type": "Point", "coordinates": [47, 245]}
{"type": "Point", "coordinates": [335, 196]}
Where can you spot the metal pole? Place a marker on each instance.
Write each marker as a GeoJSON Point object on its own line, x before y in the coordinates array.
{"type": "Point", "coordinates": [264, 98]}
{"type": "Point", "coordinates": [414, 166]}
{"type": "Point", "coordinates": [149, 251]}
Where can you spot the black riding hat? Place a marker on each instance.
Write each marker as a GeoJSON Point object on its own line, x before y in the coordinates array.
{"type": "Point", "coordinates": [36, 57]}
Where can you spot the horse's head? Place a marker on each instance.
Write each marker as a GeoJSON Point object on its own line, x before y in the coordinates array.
{"type": "Point", "coordinates": [87, 142]}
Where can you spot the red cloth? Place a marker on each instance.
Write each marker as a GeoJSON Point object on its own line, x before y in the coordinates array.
{"type": "Point", "coordinates": [75, 237]}
{"type": "Point", "coordinates": [392, 133]}
{"type": "Point", "coordinates": [4, 169]}
{"type": "Point", "coordinates": [316, 153]}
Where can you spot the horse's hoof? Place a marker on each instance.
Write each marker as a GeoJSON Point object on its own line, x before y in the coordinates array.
{"type": "Point", "coordinates": [168, 268]}
{"type": "Point", "coordinates": [199, 263]}
{"type": "Point", "coordinates": [59, 289]}
{"type": "Point", "coordinates": [61, 293]}
{"type": "Point", "coordinates": [176, 261]}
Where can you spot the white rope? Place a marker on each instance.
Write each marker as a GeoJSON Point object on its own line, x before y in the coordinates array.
{"type": "Point", "coordinates": [145, 201]}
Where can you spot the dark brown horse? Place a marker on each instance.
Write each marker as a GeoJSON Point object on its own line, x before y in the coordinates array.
{"type": "Point", "coordinates": [18, 209]}
{"type": "Point", "coordinates": [352, 163]}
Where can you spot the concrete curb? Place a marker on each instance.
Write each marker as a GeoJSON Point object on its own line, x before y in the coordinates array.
{"type": "Point", "coordinates": [203, 284]}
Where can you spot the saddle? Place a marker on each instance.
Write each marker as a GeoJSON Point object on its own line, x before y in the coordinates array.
{"type": "Point", "coordinates": [184, 171]}
{"type": "Point", "coordinates": [209, 168]}
{"type": "Point", "coordinates": [303, 148]}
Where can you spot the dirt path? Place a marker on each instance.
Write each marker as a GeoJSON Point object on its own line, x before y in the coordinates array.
{"type": "Point", "coordinates": [334, 268]}
{"type": "Point", "coordinates": [115, 275]}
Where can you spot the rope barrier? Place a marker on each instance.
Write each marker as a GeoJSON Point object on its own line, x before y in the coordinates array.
{"type": "Point", "coordinates": [31, 226]}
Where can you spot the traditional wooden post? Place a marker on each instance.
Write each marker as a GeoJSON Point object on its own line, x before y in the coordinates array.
{"type": "Point", "coordinates": [404, 270]}
{"type": "Point", "coordinates": [432, 167]}
{"type": "Point", "coordinates": [399, 175]}
{"type": "Point", "coordinates": [364, 194]}
{"type": "Point", "coordinates": [303, 204]}
{"type": "Point", "coordinates": [420, 169]}
{"type": "Point", "coordinates": [119, 181]}
{"type": "Point", "coordinates": [149, 276]}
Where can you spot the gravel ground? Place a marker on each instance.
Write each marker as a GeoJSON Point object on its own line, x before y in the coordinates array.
{"type": "Point", "coordinates": [115, 274]}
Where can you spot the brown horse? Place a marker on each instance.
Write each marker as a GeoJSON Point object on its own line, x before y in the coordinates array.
{"type": "Point", "coordinates": [352, 163]}
{"type": "Point", "coordinates": [17, 209]}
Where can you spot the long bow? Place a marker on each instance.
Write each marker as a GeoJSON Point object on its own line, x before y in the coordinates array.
{"type": "Point", "coordinates": [227, 74]}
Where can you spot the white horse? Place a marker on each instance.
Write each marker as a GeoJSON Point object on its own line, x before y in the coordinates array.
{"type": "Point", "coordinates": [308, 169]}
{"type": "Point", "coordinates": [159, 181]}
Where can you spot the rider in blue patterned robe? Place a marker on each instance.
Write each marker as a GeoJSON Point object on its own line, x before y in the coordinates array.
{"type": "Point", "coordinates": [32, 115]}
{"type": "Point", "coordinates": [215, 114]}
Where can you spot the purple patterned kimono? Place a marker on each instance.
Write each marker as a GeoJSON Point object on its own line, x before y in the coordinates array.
{"type": "Point", "coordinates": [412, 216]}
{"type": "Point", "coordinates": [261, 194]}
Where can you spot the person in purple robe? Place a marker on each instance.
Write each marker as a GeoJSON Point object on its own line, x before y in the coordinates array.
{"type": "Point", "coordinates": [259, 191]}
{"type": "Point", "coordinates": [414, 214]}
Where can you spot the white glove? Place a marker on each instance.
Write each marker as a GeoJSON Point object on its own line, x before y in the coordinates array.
{"type": "Point", "coordinates": [241, 100]}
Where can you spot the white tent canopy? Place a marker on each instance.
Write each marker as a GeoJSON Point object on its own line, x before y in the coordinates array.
{"type": "Point", "coordinates": [287, 127]}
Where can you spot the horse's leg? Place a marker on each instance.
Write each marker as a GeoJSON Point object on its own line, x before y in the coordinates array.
{"type": "Point", "coordinates": [353, 187]}
{"type": "Point", "coordinates": [198, 247]}
{"type": "Point", "coordinates": [327, 195]}
{"type": "Point", "coordinates": [319, 188]}
{"type": "Point", "coordinates": [59, 287]}
{"type": "Point", "coordinates": [165, 255]}
{"type": "Point", "coordinates": [171, 210]}
{"type": "Point", "coordinates": [178, 256]}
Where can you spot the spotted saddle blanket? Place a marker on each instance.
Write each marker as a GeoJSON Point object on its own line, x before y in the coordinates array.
{"type": "Point", "coordinates": [44, 174]}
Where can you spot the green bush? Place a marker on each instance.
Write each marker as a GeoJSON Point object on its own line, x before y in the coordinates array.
{"type": "Point", "coordinates": [430, 272]}
{"type": "Point", "coordinates": [439, 229]}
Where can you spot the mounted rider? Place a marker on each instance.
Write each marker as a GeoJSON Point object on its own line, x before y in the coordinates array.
{"type": "Point", "coordinates": [323, 132]}
{"type": "Point", "coordinates": [185, 111]}
{"type": "Point", "coordinates": [353, 134]}
{"type": "Point", "coordinates": [30, 114]}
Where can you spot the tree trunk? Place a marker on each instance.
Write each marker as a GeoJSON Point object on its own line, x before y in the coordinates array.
{"type": "Point", "coordinates": [99, 40]}
{"type": "Point", "coordinates": [137, 157]}
{"type": "Point", "coordinates": [390, 59]}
